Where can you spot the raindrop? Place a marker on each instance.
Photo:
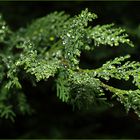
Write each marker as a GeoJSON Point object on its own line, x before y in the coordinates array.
{"type": "Point", "coordinates": [64, 42]}
{"type": "Point", "coordinates": [3, 27]}
{"type": "Point", "coordinates": [8, 66]}
{"type": "Point", "coordinates": [116, 44]}
{"type": "Point", "coordinates": [112, 39]}
{"type": "Point", "coordinates": [78, 91]}
{"type": "Point", "coordinates": [101, 90]}
{"type": "Point", "coordinates": [68, 34]}
{"type": "Point", "coordinates": [65, 66]}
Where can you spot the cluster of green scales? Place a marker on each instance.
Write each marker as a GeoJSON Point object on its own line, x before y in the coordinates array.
{"type": "Point", "coordinates": [51, 47]}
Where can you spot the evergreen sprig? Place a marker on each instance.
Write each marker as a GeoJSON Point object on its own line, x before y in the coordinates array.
{"type": "Point", "coordinates": [51, 47]}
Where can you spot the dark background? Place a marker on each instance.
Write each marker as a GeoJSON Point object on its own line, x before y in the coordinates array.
{"type": "Point", "coordinates": [54, 119]}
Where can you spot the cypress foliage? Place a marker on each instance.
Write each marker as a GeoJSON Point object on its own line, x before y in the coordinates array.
{"type": "Point", "coordinates": [51, 47]}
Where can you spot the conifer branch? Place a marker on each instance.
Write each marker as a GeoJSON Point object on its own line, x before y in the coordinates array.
{"type": "Point", "coordinates": [51, 47]}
